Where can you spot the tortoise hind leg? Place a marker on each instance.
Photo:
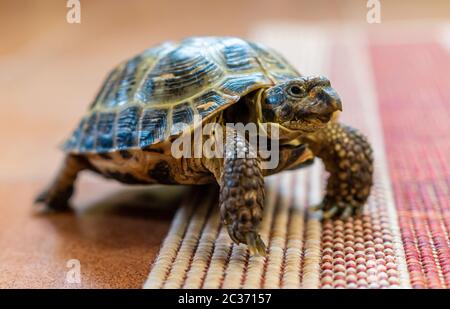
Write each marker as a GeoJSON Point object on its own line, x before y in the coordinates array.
{"type": "Point", "coordinates": [56, 196]}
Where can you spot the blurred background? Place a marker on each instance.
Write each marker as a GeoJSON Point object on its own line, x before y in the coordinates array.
{"type": "Point", "coordinates": [49, 72]}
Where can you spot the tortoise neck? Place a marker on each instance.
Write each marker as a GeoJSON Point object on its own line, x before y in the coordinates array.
{"type": "Point", "coordinates": [266, 127]}
{"type": "Point", "coordinates": [257, 100]}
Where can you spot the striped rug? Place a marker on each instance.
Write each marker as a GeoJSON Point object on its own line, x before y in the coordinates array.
{"type": "Point", "coordinates": [395, 90]}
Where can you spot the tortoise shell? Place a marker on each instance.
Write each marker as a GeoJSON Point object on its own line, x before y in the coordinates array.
{"type": "Point", "coordinates": [152, 96]}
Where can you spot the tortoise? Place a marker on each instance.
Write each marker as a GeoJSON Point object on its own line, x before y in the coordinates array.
{"type": "Point", "coordinates": [151, 100]}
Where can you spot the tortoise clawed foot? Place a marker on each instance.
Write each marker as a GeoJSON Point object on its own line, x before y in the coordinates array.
{"type": "Point", "coordinates": [245, 231]}
{"type": "Point", "coordinates": [232, 234]}
{"type": "Point", "coordinates": [337, 210]}
{"type": "Point", "coordinates": [50, 202]}
{"type": "Point", "coordinates": [255, 244]}
{"type": "Point", "coordinates": [251, 238]}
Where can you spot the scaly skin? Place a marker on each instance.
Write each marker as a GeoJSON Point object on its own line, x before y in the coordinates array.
{"type": "Point", "coordinates": [347, 156]}
{"type": "Point", "coordinates": [56, 196]}
{"type": "Point", "coordinates": [241, 191]}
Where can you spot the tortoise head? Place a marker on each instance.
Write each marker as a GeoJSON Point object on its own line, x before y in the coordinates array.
{"type": "Point", "coordinates": [301, 104]}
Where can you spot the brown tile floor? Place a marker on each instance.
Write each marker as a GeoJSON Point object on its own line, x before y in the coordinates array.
{"type": "Point", "coordinates": [114, 235]}
{"type": "Point", "coordinates": [49, 72]}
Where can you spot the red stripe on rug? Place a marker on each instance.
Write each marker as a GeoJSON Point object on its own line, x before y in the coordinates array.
{"type": "Point", "coordinates": [413, 82]}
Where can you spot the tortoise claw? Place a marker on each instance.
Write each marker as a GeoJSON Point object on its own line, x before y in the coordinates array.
{"type": "Point", "coordinates": [346, 213]}
{"type": "Point", "coordinates": [330, 213]}
{"type": "Point", "coordinates": [255, 244]}
{"type": "Point", "coordinates": [231, 233]}
{"type": "Point", "coordinates": [341, 211]}
{"type": "Point", "coordinates": [46, 203]}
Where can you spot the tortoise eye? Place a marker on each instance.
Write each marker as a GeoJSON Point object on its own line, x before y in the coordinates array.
{"type": "Point", "coordinates": [295, 91]}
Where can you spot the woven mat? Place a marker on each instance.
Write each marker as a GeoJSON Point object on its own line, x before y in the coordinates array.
{"type": "Point", "coordinates": [403, 244]}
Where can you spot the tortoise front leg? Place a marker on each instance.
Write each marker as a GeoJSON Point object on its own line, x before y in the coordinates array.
{"type": "Point", "coordinates": [56, 196]}
{"type": "Point", "coordinates": [347, 156]}
{"type": "Point", "coordinates": [241, 191]}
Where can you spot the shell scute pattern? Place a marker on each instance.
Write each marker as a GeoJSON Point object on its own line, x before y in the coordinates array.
{"type": "Point", "coordinates": [180, 74]}
{"type": "Point", "coordinates": [87, 142]}
{"type": "Point", "coordinates": [240, 56]}
{"type": "Point", "coordinates": [125, 83]}
{"type": "Point", "coordinates": [235, 85]}
{"type": "Point", "coordinates": [182, 114]}
{"type": "Point", "coordinates": [270, 58]}
{"type": "Point", "coordinates": [107, 87]}
{"type": "Point", "coordinates": [274, 63]}
{"type": "Point", "coordinates": [127, 127]}
{"type": "Point", "coordinates": [128, 78]}
{"type": "Point", "coordinates": [153, 126]}
{"type": "Point", "coordinates": [211, 101]}
{"type": "Point", "coordinates": [105, 131]}
{"type": "Point", "coordinates": [156, 94]}
{"type": "Point", "coordinates": [73, 141]}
